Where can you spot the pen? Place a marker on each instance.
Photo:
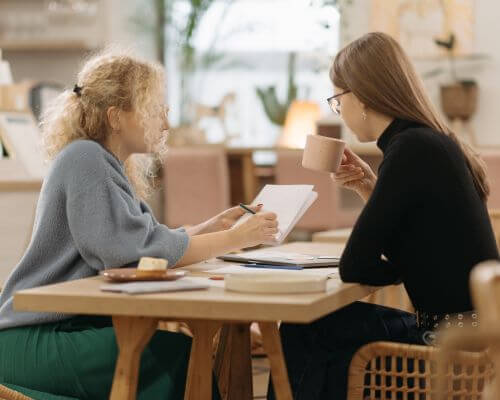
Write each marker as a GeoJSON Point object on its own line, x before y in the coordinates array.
{"type": "Point", "coordinates": [247, 209]}
{"type": "Point", "coordinates": [292, 267]}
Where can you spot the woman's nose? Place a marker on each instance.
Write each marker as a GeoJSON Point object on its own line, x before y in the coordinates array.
{"type": "Point", "coordinates": [165, 126]}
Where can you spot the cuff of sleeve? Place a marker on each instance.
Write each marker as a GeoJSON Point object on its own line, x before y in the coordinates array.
{"type": "Point", "coordinates": [374, 276]}
{"type": "Point", "coordinates": [177, 246]}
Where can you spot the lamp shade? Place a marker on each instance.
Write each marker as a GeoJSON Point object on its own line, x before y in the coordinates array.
{"type": "Point", "coordinates": [5, 73]}
{"type": "Point", "coordinates": [300, 121]}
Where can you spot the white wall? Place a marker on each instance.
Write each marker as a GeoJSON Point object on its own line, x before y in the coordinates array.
{"type": "Point", "coordinates": [487, 33]}
{"type": "Point", "coordinates": [486, 73]}
{"type": "Point", "coordinates": [121, 29]}
{"type": "Point", "coordinates": [63, 65]}
{"type": "Point", "coordinates": [51, 66]}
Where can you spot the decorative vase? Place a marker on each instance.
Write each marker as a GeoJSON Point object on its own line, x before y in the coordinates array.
{"type": "Point", "coordinates": [459, 100]}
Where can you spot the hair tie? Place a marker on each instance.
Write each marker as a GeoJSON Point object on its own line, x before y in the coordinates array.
{"type": "Point", "coordinates": [77, 90]}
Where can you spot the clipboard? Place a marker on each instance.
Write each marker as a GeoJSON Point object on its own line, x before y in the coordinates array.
{"type": "Point", "coordinates": [282, 258]}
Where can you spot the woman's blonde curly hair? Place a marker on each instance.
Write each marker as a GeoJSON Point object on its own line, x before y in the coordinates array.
{"type": "Point", "coordinates": [111, 78]}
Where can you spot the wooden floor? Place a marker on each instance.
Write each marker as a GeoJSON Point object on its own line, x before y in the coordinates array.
{"type": "Point", "coordinates": [260, 370]}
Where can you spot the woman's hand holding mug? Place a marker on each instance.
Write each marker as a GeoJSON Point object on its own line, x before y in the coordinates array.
{"type": "Point", "coordinates": [355, 174]}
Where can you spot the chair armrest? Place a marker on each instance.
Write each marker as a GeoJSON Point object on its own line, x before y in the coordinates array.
{"type": "Point", "coordinates": [9, 394]}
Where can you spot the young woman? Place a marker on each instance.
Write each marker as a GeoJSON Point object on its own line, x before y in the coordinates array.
{"type": "Point", "coordinates": [425, 221]}
{"type": "Point", "coordinates": [90, 217]}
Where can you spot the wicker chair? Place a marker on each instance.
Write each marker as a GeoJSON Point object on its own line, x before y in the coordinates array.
{"type": "Point", "coordinates": [383, 370]}
{"type": "Point", "coordinates": [9, 394]}
{"type": "Point", "coordinates": [495, 222]}
{"type": "Point", "coordinates": [485, 289]}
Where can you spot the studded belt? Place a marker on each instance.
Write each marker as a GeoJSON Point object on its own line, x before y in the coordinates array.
{"type": "Point", "coordinates": [433, 322]}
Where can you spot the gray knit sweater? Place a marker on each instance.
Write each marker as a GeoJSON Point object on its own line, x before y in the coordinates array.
{"type": "Point", "coordinates": [87, 220]}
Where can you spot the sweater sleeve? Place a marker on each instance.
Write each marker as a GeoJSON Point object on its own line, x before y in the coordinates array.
{"type": "Point", "coordinates": [111, 229]}
{"type": "Point", "coordinates": [381, 219]}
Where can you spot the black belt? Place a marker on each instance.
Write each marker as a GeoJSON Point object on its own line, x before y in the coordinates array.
{"type": "Point", "coordinates": [433, 322]}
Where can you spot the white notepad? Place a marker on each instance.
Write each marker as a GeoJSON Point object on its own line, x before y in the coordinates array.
{"type": "Point", "coordinates": [154, 286]}
{"type": "Point", "coordinates": [289, 202]}
{"type": "Point", "coordinates": [238, 269]}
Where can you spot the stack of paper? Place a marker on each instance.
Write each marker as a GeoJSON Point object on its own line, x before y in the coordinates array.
{"type": "Point", "coordinates": [289, 202]}
{"type": "Point", "coordinates": [154, 286]}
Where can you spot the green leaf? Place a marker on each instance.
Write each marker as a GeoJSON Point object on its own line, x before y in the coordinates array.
{"type": "Point", "coordinates": [273, 109]}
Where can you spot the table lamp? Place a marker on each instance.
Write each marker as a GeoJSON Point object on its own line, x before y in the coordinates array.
{"type": "Point", "coordinates": [300, 121]}
{"type": "Point", "coordinates": [5, 73]}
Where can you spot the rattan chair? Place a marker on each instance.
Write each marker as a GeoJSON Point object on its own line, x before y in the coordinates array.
{"type": "Point", "coordinates": [9, 394]}
{"type": "Point", "coordinates": [488, 337]}
{"type": "Point", "coordinates": [485, 290]}
{"type": "Point", "coordinates": [495, 222]}
{"type": "Point", "coordinates": [384, 370]}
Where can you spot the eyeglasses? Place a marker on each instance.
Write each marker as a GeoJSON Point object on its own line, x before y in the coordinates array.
{"type": "Point", "coordinates": [334, 103]}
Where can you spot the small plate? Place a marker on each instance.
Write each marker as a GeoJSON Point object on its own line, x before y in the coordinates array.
{"type": "Point", "coordinates": [130, 275]}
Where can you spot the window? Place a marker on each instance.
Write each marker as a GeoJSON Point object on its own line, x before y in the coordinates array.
{"type": "Point", "coordinates": [253, 40]}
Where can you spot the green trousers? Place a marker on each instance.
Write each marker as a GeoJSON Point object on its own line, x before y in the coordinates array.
{"type": "Point", "coordinates": [75, 359]}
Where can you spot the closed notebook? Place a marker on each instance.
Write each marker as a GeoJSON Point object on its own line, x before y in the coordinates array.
{"type": "Point", "coordinates": [154, 286]}
{"type": "Point", "coordinates": [289, 202]}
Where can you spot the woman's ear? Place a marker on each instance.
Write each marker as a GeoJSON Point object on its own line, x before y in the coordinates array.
{"type": "Point", "coordinates": [113, 114]}
{"type": "Point", "coordinates": [362, 107]}
{"type": "Point", "coordinates": [360, 104]}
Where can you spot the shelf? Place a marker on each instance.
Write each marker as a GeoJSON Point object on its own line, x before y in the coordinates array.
{"type": "Point", "coordinates": [45, 45]}
{"type": "Point", "coordinates": [457, 57]}
{"type": "Point", "coordinates": [20, 186]}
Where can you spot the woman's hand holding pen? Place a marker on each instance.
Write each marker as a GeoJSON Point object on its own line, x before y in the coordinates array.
{"type": "Point", "coordinates": [259, 228]}
{"type": "Point", "coordinates": [226, 219]}
{"type": "Point", "coordinates": [229, 217]}
{"type": "Point", "coordinates": [355, 174]}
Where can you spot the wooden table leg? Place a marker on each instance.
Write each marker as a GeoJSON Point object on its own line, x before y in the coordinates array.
{"type": "Point", "coordinates": [242, 176]}
{"type": "Point", "coordinates": [199, 378]}
{"type": "Point", "coordinates": [233, 362]}
{"type": "Point", "coordinates": [272, 345]}
{"type": "Point", "coordinates": [249, 178]}
{"type": "Point", "coordinates": [132, 335]}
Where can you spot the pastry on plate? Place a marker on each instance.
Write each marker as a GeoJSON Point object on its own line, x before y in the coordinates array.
{"type": "Point", "coordinates": [152, 267]}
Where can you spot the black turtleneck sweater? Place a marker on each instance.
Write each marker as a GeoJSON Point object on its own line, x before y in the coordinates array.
{"type": "Point", "coordinates": [424, 224]}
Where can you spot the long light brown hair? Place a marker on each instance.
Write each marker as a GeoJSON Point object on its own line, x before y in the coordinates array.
{"type": "Point", "coordinates": [380, 74]}
{"type": "Point", "coordinates": [117, 78]}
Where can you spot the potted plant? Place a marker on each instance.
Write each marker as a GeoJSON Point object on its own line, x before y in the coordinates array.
{"type": "Point", "coordinates": [459, 98]}
{"type": "Point", "coordinates": [274, 109]}
{"type": "Point", "coordinates": [154, 16]}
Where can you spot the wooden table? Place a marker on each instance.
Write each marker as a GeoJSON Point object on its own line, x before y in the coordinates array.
{"type": "Point", "coordinates": [333, 236]}
{"type": "Point", "coordinates": [242, 172]}
{"type": "Point", "coordinates": [394, 296]}
{"type": "Point", "coordinates": [135, 319]}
